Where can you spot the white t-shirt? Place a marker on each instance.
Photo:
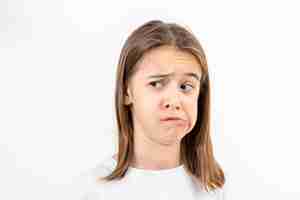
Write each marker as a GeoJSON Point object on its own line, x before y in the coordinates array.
{"type": "Point", "coordinates": [141, 184]}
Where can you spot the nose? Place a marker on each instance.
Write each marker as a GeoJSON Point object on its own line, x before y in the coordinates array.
{"type": "Point", "coordinates": [173, 101]}
{"type": "Point", "coordinates": [176, 107]}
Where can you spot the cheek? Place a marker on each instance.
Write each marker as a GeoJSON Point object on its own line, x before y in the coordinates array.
{"type": "Point", "coordinates": [145, 106]}
{"type": "Point", "coordinates": [148, 100]}
{"type": "Point", "coordinates": [193, 112]}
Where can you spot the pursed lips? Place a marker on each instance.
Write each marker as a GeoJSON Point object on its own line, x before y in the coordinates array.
{"type": "Point", "coordinates": [172, 119]}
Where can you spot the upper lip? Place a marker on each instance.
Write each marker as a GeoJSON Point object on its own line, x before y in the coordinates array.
{"type": "Point", "coordinates": [171, 118]}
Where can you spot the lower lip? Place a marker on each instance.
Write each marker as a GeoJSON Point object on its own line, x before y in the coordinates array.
{"type": "Point", "coordinates": [176, 121]}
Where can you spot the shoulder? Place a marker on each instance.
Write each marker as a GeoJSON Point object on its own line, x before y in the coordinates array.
{"type": "Point", "coordinates": [219, 194]}
{"type": "Point", "coordinates": [87, 185]}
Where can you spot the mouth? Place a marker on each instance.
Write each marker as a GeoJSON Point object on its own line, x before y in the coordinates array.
{"type": "Point", "coordinates": [171, 119]}
{"type": "Point", "coordinates": [174, 120]}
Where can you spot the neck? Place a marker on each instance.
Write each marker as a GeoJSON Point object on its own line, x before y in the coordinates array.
{"type": "Point", "coordinates": [154, 156]}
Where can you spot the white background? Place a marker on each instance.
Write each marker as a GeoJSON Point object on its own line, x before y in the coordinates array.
{"type": "Point", "coordinates": [57, 71]}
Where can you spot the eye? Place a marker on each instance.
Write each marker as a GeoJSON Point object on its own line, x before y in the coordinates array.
{"type": "Point", "coordinates": [155, 83]}
{"type": "Point", "coordinates": [187, 87]}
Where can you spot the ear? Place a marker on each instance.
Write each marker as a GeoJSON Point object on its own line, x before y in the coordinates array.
{"type": "Point", "coordinates": [128, 97]}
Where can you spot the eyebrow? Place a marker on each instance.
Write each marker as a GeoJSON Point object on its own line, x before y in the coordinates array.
{"type": "Point", "coordinates": [191, 74]}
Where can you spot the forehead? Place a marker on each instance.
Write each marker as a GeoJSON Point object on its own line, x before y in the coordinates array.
{"type": "Point", "coordinates": [167, 59]}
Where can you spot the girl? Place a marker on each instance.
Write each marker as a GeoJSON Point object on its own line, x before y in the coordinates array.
{"type": "Point", "coordinates": [162, 102]}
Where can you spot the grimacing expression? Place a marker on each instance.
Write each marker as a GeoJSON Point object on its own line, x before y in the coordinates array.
{"type": "Point", "coordinates": [166, 84]}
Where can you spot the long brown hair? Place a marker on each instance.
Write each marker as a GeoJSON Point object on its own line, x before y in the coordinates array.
{"type": "Point", "coordinates": [196, 152]}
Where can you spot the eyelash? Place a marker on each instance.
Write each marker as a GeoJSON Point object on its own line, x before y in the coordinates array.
{"type": "Point", "coordinates": [154, 82]}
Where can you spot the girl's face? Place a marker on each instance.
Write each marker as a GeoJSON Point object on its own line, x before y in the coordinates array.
{"type": "Point", "coordinates": [166, 84]}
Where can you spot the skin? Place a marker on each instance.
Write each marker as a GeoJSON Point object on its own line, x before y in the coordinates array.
{"type": "Point", "coordinates": [157, 143]}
